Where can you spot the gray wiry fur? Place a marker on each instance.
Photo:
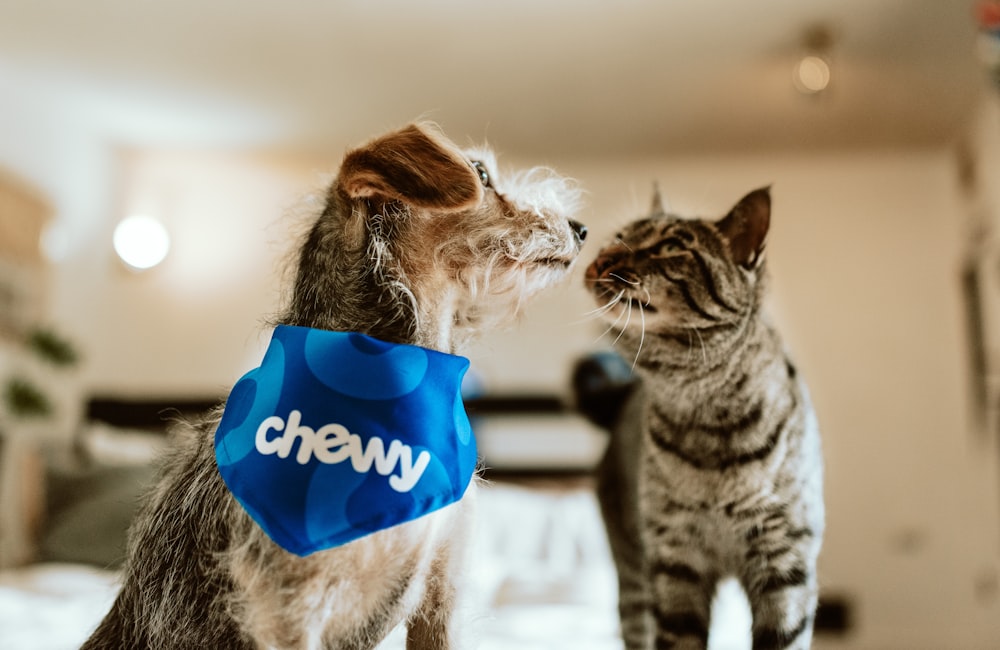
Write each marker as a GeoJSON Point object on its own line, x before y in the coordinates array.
{"type": "Point", "coordinates": [714, 467]}
{"type": "Point", "coordinates": [415, 245]}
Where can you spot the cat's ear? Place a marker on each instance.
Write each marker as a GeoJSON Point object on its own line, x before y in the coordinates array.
{"type": "Point", "coordinates": [745, 227]}
{"type": "Point", "coordinates": [657, 208]}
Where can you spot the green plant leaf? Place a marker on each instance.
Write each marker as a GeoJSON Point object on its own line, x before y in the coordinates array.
{"type": "Point", "coordinates": [25, 400]}
{"type": "Point", "coordinates": [52, 347]}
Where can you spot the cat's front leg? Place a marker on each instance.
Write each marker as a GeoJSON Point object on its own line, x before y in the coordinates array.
{"type": "Point", "coordinates": [780, 579]}
{"type": "Point", "coordinates": [681, 613]}
{"type": "Point", "coordinates": [783, 603]}
{"type": "Point", "coordinates": [681, 589]}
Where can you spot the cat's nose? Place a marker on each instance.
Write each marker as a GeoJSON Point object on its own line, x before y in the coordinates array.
{"type": "Point", "coordinates": [610, 266]}
{"type": "Point", "coordinates": [579, 230]}
{"type": "Point", "coordinates": [598, 269]}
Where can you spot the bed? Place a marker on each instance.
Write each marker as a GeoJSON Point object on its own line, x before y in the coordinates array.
{"type": "Point", "coordinates": [542, 574]}
{"type": "Point", "coordinates": [546, 582]}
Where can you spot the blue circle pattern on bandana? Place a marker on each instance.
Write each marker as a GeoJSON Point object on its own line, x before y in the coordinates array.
{"type": "Point", "coordinates": [377, 435]}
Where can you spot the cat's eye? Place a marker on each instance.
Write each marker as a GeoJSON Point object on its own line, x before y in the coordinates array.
{"type": "Point", "coordinates": [484, 175]}
{"type": "Point", "coordinates": [670, 245]}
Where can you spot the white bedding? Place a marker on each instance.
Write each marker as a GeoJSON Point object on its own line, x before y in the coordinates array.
{"type": "Point", "coordinates": [543, 572]}
{"type": "Point", "coordinates": [52, 606]}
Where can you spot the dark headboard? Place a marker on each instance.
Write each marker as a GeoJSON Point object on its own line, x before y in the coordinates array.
{"type": "Point", "coordinates": [150, 413]}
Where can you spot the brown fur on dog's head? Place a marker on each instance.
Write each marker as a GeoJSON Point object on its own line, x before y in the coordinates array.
{"type": "Point", "coordinates": [416, 165]}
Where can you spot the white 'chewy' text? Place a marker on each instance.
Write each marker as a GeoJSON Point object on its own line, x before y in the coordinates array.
{"type": "Point", "coordinates": [333, 443]}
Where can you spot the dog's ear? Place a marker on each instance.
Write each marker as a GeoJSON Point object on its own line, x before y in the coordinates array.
{"type": "Point", "coordinates": [746, 226]}
{"type": "Point", "coordinates": [416, 165]}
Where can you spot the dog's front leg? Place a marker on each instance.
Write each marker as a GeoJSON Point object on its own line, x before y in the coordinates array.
{"type": "Point", "coordinates": [432, 626]}
{"type": "Point", "coordinates": [440, 620]}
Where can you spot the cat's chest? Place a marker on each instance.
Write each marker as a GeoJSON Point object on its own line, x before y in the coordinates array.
{"type": "Point", "coordinates": [709, 506]}
{"type": "Point", "coordinates": [663, 478]}
{"type": "Point", "coordinates": [699, 462]}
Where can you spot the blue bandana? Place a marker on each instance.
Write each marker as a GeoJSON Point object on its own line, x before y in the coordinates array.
{"type": "Point", "coordinates": [337, 435]}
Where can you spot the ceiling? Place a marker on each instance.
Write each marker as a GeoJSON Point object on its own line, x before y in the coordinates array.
{"type": "Point", "coordinates": [567, 77]}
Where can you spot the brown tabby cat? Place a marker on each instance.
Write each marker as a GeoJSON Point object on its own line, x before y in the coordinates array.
{"type": "Point", "coordinates": [714, 467]}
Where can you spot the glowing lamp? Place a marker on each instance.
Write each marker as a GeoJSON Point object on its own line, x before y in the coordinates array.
{"type": "Point", "coordinates": [812, 75]}
{"type": "Point", "coordinates": [141, 241]}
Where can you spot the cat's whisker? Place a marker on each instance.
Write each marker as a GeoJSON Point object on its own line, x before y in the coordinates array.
{"type": "Point", "coordinates": [608, 306]}
{"type": "Point", "coordinates": [597, 312]}
{"type": "Point", "coordinates": [642, 335]}
{"type": "Point", "coordinates": [614, 324]}
{"type": "Point", "coordinates": [634, 283]}
{"type": "Point", "coordinates": [704, 351]}
{"type": "Point", "coordinates": [605, 332]}
{"type": "Point", "coordinates": [628, 318]}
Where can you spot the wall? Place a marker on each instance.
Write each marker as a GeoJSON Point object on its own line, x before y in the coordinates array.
{"type": "Point", "coordinates": [982, 472]}
{"type": "Point", "coordinates": [46, 148]}
{"type": "Point", "coordinates": [193, 325]}
{"type": "Point", "coordinates": [44, 153]}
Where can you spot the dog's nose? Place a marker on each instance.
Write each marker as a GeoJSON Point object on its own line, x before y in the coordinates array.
{"type": "Point", "coordinates": [579, 230]}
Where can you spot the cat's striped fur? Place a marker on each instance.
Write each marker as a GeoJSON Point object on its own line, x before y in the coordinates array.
{"type": "Point", "coordinates": [715, 465]}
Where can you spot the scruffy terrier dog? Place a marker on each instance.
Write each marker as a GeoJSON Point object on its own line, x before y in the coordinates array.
{"type": "Point", "coordinates": [419, 243]}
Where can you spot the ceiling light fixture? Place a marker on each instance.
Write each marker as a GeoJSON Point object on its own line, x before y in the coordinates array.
{"type": "Point", "coordinates": [811, 74]}
{"type": "Point", "coordinates": [141, 241]}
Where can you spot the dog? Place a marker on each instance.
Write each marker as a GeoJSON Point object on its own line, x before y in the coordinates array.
{"type": "Point", "coordinates": [419, 243]}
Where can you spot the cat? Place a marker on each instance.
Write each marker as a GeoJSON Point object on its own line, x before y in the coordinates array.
{"type": "Point", "coordinates": [714, 467]}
